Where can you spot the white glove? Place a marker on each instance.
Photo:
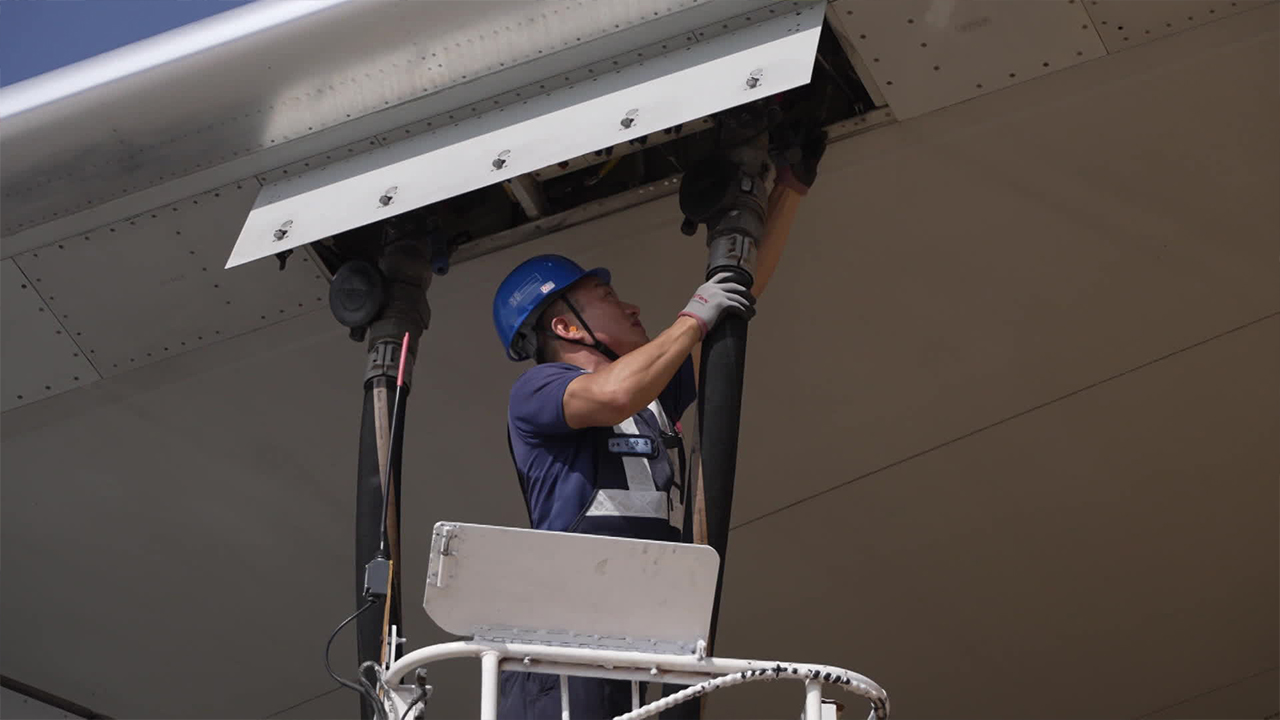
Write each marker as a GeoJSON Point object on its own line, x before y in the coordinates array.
{"type": "Point", "coordinates": [717, 296]}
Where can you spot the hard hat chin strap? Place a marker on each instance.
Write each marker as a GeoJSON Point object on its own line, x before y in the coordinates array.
{"type": "Point", "coordinates": [595, 344]}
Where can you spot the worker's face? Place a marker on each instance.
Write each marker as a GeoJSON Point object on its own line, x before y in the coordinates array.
{"type": "Point", "coordinates": [614, 322]}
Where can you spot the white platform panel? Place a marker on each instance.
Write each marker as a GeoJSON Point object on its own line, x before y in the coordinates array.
{"type": "Point", "coordinates": [925, 55]}
{"type": "Point", "coordinates": [153, 286]}
{"type": "Point", "coordinates": [1125, 23]}
{"type": "Point", "coordinates": [575, 589]}
{"type": "Point", "coordinates": [39, 358]}
{"type": "Point", "coordinates": [610, 107]}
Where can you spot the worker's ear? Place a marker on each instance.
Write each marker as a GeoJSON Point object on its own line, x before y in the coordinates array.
{"type": "Point", "coordinates": [561, 326]}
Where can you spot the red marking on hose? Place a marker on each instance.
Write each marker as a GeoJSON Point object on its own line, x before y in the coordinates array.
{"type": "Point", "coordinates": [404, 353]}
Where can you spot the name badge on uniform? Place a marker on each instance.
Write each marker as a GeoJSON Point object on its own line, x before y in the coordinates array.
{"type": "Point", "coordinates": [637, 445]}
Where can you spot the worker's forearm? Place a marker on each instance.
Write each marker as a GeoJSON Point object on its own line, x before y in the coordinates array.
{"type": "Point", "coordinates": [635, 379]}
{"type": "Point", "coordinates": [783, 203]}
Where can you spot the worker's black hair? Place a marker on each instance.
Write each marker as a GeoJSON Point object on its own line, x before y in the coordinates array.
{"type": "Point", "coordinates": [540, 356]}
{"type": "Point", "coordinates": [544, 352]}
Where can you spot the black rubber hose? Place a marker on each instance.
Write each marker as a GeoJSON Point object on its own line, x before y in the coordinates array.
{"type": "Point", "coordinates": [724, 355]}
{"type": "Point", "coordinates": [369, 530]}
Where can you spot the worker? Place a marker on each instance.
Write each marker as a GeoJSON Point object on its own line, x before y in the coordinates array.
{"type": "Point", "coordinates": [593, 427]}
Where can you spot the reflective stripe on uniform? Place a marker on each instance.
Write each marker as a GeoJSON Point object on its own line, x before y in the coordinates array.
{"type": "Point", "coordinates": [656, 408]}
{"type": "Point", "coordinates": [642, 498]}
{"type": "Point", "coordinates": [628, 503]}
{"type": "Point", "coordinates": [639, 474]}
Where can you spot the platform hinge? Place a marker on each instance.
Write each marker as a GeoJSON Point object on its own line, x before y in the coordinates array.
{"type": "Point", "coordinates": [563, 638]}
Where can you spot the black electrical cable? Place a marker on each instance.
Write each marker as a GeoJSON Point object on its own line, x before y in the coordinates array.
{"type": "Point", "coordinates": [380, 710]}
{"type": "Point", "coordinates": [363, 688]}
{"type": "Point", "coordinates": [422, 695]}
{"type": "Point", "coordinates": [386, 478]}
{"type": "Point", "coordinates": [397, 413]}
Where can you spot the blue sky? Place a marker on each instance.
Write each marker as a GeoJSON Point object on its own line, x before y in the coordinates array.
{"type": "Point", "coordinates": [37, 36]}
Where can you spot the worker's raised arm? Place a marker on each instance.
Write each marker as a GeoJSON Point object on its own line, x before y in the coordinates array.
{"type": "Point", "coordinates": [793, 182]}
{"type": "Point", "coordinates": [783, 202]}
{"type": "Point", "coordinates": [624, 387]}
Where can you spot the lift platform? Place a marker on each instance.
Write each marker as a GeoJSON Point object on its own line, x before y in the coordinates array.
{"type": "Point", "coordinates": [614, 608]}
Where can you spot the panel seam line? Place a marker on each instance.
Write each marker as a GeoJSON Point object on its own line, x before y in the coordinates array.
{"type": "Point", "coordinates": [1002, 421]}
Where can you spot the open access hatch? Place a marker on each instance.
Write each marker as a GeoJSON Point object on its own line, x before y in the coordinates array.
{"type": "Point", "coordinates": [539, 161]}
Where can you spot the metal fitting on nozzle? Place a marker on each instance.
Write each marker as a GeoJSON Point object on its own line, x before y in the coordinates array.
{"type": "Point", "coordinates": [728, 193]}
{"type": "Point", "coordinates": [707, 189]}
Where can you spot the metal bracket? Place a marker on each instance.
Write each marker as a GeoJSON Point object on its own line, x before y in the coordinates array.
{"type": "Point", "coordinates": [528, 193]}
{"type": "Point", "coordinates": [393, 645]}
{"type": "Point", "coordinates": [446, 534]}
{"type": "Point", "coordinates": [384, 361]}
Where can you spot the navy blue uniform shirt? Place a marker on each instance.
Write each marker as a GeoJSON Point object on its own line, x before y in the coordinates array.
{"type": "Point", "coordinates": [561, 467]}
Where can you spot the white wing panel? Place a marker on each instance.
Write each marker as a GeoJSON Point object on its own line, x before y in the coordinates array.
{"type": "Point", "coordinates": [752, 63]}
{"type": "Point", "coordinates": [40, 357]}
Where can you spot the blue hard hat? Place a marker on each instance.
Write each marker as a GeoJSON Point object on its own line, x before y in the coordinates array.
{"type": "Point", "coordinates": [526, 291]}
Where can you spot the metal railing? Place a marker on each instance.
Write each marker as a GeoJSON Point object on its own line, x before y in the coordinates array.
{"type": "Point", "coordinates": [702, 674]}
